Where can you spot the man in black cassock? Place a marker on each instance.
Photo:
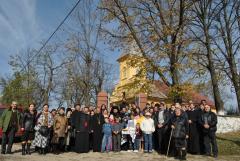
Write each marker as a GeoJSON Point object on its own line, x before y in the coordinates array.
{"type": "Point", "coordinates": [97, 122]}
{"type": "Point", "coordinates": [82, 128]}
{"type": "Point", "coordinates": [193, 140]}
{"type": "Point", "coordinates": [200, 110]}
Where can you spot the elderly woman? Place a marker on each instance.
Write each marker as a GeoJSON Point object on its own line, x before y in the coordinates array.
{"type": "Point", "coordinates": [60, 129]}
{"type": "Point", "coordinates": [44, 123]}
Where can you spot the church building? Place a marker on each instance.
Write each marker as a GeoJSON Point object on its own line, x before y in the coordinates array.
{"type": "Point", "coordinates": [132, 87]}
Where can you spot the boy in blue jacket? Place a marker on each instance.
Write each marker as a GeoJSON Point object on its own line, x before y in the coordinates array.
{"type": "Point", "coordinates": [107, 136]}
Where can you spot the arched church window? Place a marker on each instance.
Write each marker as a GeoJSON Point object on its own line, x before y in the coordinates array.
{"type": "Point", "coordinates": [124, 72]}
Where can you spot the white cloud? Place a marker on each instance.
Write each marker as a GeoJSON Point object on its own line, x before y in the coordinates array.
{"type": "Point", "coordinates": [19, 27]}
{"type": "Point", "coordinates": [18, 24]}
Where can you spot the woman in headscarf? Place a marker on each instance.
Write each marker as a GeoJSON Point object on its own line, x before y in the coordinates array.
{"type": "Point", "coordinates": [44, 123]}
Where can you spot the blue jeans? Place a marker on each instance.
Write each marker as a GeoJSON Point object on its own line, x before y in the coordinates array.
{"type": "Point", "coordinates": [106, 143]}
{"type": "Point", "coordinates": [137, 144]}
{"type": "Point", "coordinates": [147, 142]}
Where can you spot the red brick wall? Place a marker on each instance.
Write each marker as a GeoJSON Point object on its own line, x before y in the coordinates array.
{"type": "Point", "coordinates": [102, 98]}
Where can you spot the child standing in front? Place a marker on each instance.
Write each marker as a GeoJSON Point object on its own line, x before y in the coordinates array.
{"type": "Point", "coordinates": [107, 136]}
{"type": "Point", "coordinates": [138, 137]}
{"type": "Point", "coordinates": [148, 128]}
{"type": "Point", "coordinates": [117, 134]}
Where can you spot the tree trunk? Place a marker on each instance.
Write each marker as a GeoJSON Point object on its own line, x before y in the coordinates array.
{"type": "Point", "coordinates": [211, 68]}
{"type": "Point", "coordinates": [216, 92]}
{"type": "Point", "coordinates": [229, 54]}
{"type": "Point", "coordinates": [235, 80]}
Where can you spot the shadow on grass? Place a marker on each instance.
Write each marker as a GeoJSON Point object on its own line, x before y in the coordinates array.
{"type": "Point", "coordinates": [237, 142]}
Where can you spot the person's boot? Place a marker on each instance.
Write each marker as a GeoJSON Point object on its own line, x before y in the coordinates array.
{"type": "Point", "coordinates": [3, 151]}
{"type": "Point", "coordinates": [28, 148]}
{"type": "Point", "coordinates": [66, 148]}
{"type": "Point", "coordinates": [44, 151]}
{"type": "Point", "coordinates": [184, 153]}
{"type": "Point", "coordinates": [23, 148]}
{"type": "Point", "coordinates": [54, 149]}
{"type": "Point", "coordinates": [40, 151]}
{"type": "Point", "coordinates": [177, 154]}
{"type": "Point", "coordinates": [9, 149]}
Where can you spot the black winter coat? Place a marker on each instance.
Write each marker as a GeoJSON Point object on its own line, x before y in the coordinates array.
{"type": "Point", "coordinates": [181, 126]}
{"type": "Point", "coordinates": [80, 121]}
{"type": "Point", "coordinates": [209, 118]}
{"type": "Point", "coordinates": [28, 121]}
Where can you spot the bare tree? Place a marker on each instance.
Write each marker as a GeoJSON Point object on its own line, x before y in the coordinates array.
{"type": "Point", "coordinates": [204, 12]}
{"type": "Point", "coordinates": [228, 41]}
{"type": "Point", "coordinates": [89, 71]}
{"type": "Point", "coordinates": [50, 64]}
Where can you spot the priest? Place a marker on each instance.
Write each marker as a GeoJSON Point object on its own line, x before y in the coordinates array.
{"type": "Point", "coordinates": [193, 140]}
{"type": "Point", "coordinates": [97, 122]}
{"type": "Point", "coordinates": [80, 122]}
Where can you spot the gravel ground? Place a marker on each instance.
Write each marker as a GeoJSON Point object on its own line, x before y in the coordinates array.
{"type": "Point", "coordinates": [122, 156]}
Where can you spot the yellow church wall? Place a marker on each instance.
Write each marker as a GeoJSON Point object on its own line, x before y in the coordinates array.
{"type": "Point", "coordinates": [126, 73]}
{"type": "Point", "coordinates": [127, 76]}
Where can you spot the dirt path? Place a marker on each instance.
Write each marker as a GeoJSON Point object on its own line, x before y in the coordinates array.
{"type": "Point", "coordinates": [122, 156]}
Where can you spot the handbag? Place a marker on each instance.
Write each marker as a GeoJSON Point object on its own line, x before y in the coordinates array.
{"type": "Point", "coordinates": [44, 131]}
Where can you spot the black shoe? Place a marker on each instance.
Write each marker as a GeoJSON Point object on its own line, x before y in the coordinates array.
{"type": "Point", "coordinates": [9, 152]}
{"type": "Point", "coordinates": [28, 149]}
{"type": "Point", "coordinates": [66, 148]}
{"type": "Point", "coordinates": [184, 153]}
{"type": "Point", "coordinates": [43, 151]}
{"type": "Point", "coordinates": [3, 152]}
{"type": "Point", "coordinates": [23, 149]}
{"type": "Point", "coordinates": [177, 157]}
{"type": "Point", "coordinates": [40, 151]}
{"type": "Point", "coordinates": [177, 154]}
{"type": "Point", "coordinates": [56, 153]}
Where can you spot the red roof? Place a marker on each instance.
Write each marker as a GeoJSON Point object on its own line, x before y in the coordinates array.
{"type": "Point", "coordinates": [196, 97]}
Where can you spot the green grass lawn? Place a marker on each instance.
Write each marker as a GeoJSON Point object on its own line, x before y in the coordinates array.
{"type": "Point", "coordinates": [229, 143]}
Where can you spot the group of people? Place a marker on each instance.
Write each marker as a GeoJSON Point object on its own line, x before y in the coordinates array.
{"type": "Point", "coordinates": [173, 130]}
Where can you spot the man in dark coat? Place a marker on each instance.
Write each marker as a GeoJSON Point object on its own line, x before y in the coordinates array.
{"type": "Point", "coordinates": [208, 121]}
{"type": "Point", "coordinates": [200, 110]}
{"type": "Point", "coordinates": [180, 127]}
{"type": "Point", "coordinates": [97, 122]}
{"type": "Point", "coordinates": [193, 140]}
{"type": "Point", "coordinates": [80, 122]}
{"type": "Point", "coordinates": [9, 123]}
{"type": "Point", "coordinates": [161, 121]}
